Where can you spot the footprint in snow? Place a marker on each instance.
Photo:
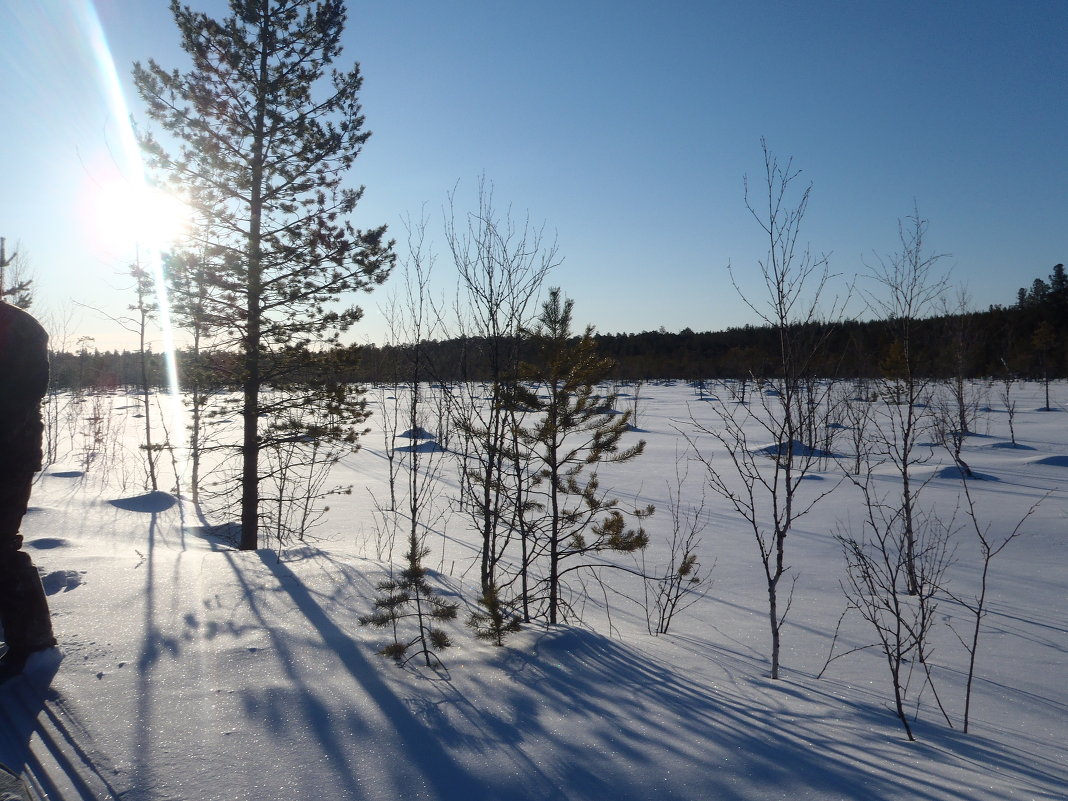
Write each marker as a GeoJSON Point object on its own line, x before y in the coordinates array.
{"type": "Point", "coordinates": [61, 581]}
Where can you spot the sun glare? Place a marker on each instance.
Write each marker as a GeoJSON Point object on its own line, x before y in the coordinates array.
{"type": "Point", "coordinates": [125, 211]}
{"type": "Point", "coordinates": [143, 215]}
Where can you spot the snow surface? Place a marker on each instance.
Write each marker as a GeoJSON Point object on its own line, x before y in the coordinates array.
{"type": "Point", "coordinates": [190, 670]}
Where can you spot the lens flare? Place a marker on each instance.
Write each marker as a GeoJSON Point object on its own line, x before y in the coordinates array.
{"type": "Point", "coordinates": [144, 215]}
{"type": "Point", "coordinates": [155, 220]}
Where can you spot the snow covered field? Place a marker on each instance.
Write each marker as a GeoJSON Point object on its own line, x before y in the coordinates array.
{"type": "Point", "coordinates": [192, 671]}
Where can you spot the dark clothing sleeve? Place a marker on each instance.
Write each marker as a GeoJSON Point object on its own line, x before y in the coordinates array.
{"type": "Point", "coordinates": [23, 383]}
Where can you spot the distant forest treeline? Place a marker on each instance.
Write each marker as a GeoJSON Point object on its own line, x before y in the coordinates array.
{"type": "Point", "coordinates": [1028, 339]}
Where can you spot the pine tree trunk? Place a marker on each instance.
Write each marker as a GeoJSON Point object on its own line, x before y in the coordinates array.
{"type": "Point", "coordinates": [250, 479]}
{"type": "Point", "coordinates": [490, 490]}
{"type": "Point", "coordinates": [195, 426]}
{"type": "Point", "coordinates": [250, 482]}
{"type": "Point", "coordinates": [554, 499]}
{"type": "Point", "coordinates": [554, 535]}
{"type": "Point", "coordinates": [554, 554]}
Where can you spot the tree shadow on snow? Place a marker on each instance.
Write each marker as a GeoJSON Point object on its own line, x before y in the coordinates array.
{"type": "Point", "coordinates": [641, 716]}
{"type": "Point", "coordinates": [423, 767]}
{"type": "Point", "coordinates": [426, 446]}
{"type": "Point", "coordinates": [568, 713]}
{"type": "Point", "coordinates": [954, 472]}
{"type": "Point", "coordinates": [22, 702]}
{"type": "Point", "coordinates": [597, 695]}
{"type": "Point", "coordinates": [30, 709]}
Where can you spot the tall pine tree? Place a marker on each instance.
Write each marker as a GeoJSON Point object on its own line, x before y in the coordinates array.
{"type": "Point", "coordinates": [266, 131]}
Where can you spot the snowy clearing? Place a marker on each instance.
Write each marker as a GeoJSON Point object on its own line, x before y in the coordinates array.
{"type": "Point", "coordinates": [190, 670]}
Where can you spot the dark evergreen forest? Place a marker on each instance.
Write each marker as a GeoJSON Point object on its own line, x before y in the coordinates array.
{"type": "Point", "coordinates": [1028, 339]}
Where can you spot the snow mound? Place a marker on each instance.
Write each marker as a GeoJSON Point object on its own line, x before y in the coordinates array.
{"type": "Point", "coordinates": [955, 473]}
{"type": "Point", "coordinates": [150, 503]}
{"type": "Point", "coordinates": [1059, 460]}
{"type": "Point", "coordinates": [416, 433]}
{"type": "Point", "coordinates": [799, 449]}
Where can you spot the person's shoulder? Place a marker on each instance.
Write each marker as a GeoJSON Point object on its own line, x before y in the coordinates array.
{"type": "Point", "coordinates": [14, 319]}
{"type": "Point", "coordinates": [11, 312]}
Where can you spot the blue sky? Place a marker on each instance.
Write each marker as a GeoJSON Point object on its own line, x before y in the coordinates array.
{"type": "Point", "coordinates": [625, 127]}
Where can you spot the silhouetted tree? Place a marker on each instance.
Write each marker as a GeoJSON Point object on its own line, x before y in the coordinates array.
{"type": "Point", "coordinates": [267, 131]}
{"type": "Point", "coordinates": [145, 309]}
{"type": "Point", "coordinates": [15, 287]}
{"type": "Point", "coordinates": [1043, 341]}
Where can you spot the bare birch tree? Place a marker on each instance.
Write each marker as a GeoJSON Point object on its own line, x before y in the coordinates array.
{"type": "Point", "coordinates": [908, 288]}
{"type": "Point", "coordinates": [990, 545]}
{"type": "Point", "coordinates": [763, 481]}
{"type": "Point", "coordinates": [502, 264]}
{"type": "Point", "coordinates": [876, 562]}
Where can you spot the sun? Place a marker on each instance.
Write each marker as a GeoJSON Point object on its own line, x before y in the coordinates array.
{"type": "Point", "coordinates": [130, 215]}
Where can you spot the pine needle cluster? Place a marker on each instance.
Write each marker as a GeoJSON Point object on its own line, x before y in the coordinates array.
{"type": "Point", "coordinates": [494, 618]}
{"type": "Point", "coordinates": [410, 597]}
